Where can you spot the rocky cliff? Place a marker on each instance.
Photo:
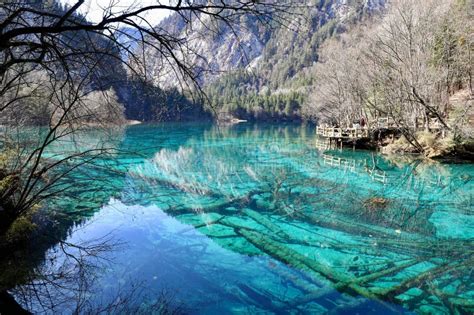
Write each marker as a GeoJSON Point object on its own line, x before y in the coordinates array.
{"type": "Point", "coordinates": [277, 54]}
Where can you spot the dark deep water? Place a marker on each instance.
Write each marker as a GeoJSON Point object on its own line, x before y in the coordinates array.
{"type": "Point", "coordinates": [258, 219]}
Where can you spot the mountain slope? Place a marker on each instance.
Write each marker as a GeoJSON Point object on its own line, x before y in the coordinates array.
{"type": "Point", "coordinates": [253, 71]}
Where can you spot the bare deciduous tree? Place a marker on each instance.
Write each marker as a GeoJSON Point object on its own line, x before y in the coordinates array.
{"type": "Point", "coordinates": [56, 68]}
{"type": "Point", "coordinates": [405, 68]}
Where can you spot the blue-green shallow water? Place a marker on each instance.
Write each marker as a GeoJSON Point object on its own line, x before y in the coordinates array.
{"type": "Point", "coordinates": [263, 219]}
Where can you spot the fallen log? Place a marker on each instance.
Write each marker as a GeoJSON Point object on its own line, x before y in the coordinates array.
{"type": "Point", "coordinates": [423, 278]}
{"type": "Point", "coordinates": [342, 285]}
{"type": "Point", "coordinates": [266, 223]}
{"type": "Point", "coordinates": [291, 257]}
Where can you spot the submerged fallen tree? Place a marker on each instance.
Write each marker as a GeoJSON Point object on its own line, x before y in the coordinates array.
{"type": "Point", "coordinates": [268, 234]}
{"type": "Point", "coordinates": [365, 250]}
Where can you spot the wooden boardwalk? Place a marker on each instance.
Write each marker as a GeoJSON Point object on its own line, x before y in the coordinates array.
{"type": "Point", "coordinates": [420, 124]}
{"type": "Point", "coordinates": [343, 133]}
{"type": "Point", "coordinates": [381, 123]}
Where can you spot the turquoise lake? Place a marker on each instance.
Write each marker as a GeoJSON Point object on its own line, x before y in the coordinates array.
{"type": "Point", "coordinates": [260, 219]}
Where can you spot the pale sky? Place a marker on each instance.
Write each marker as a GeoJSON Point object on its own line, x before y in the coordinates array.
{"type": "Point", "coordinates": [94, 9]}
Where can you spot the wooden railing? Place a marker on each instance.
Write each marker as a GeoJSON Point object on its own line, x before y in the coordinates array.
{"type": "Point", "coordinates": [347, 133]}
{"type": "Point", "coordinates": [384, 123]}
{"type": "Point", "coordinates": [330, 160]}
{"type": "Point", "coordinates": [433, 124]}
{"type": "Point", "coordinates": [379, 123]}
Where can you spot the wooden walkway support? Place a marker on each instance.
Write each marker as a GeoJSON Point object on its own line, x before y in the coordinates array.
{"type": "Point", "coordinates": [322, 144]}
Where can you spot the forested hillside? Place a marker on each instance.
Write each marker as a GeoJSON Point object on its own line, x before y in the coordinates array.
{"type": "Point", "coordinates": [260, 73]}
{"type": "Point", "coordinates": [336, 62]}
{"type": "Point", "coordinates": [275, 71]}
{"type": "Point", "coordinates": [276, 86]}
{"type": "Point", "coordinates": [411, 67]}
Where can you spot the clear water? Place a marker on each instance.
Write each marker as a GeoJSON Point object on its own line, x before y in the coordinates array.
{"type": "Point", "coordinates": [263, 219]}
